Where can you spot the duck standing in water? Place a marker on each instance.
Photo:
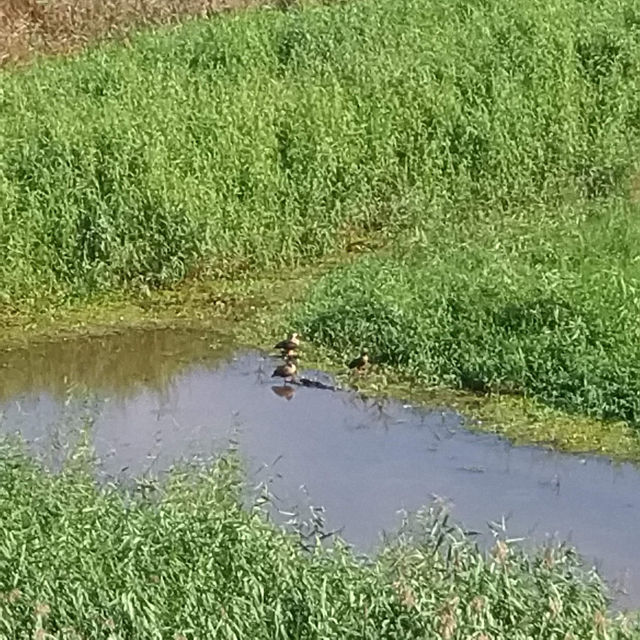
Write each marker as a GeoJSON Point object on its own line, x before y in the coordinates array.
{"type": "Point", "coordinates": [360, 363]}
{"type": "Point", "coordinates": [289, 346]}
{"type": "Point", "coordinates": [287, 371]}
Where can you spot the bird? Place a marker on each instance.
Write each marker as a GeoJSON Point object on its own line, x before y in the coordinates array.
{"type": "Point", "coordinates": [361, 361]}
{"type": "Point", "coordinates": [289, 346]}
{"type": "Point", "coordinates": [286, 371]}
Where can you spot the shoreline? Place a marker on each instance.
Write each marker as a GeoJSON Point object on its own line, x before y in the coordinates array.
{"type": "Point", "coordinates": [251, 314]}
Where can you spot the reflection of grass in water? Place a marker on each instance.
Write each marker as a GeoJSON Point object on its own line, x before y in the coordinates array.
{"type": "Point", "coordinates": [117, 364]}
{"type": "Point", "coordinates": [185, 560]}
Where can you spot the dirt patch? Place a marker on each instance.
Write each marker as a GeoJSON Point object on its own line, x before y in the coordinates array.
{"type": "Point", "coordinates": [29, 27]}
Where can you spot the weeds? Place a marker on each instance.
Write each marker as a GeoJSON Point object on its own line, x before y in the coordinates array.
{"type": "Point", "coordinates": [546, 307]}
{"type": "Point", "coordinates": [270, 138]}
{"type": "Point", "coordinates": [187, 561]}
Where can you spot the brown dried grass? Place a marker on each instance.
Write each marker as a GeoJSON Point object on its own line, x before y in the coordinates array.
{"type": "Point", "coordinates": [29, 27]}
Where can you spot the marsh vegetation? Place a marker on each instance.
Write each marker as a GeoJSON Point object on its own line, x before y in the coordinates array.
{"type": "Point", "coordinates": [486, 151]}
{"type": "Point", "coordinates": [184, 559]}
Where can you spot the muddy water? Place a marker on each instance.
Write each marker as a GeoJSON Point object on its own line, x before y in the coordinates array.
{"type": "Point", "coordinates": [154, 398]}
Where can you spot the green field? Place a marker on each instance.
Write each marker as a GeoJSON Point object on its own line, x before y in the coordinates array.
{"type": "Point", "coordinates": [186, 561]}
{"type": "Point", "coordinates": [268, 138]}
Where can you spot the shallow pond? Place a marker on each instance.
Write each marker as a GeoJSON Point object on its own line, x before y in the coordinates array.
{"type": "Point", "coordinates": [156, 397]}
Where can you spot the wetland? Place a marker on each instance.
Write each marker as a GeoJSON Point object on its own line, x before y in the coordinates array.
{"type": "Point", "coordinates": [154, 399]}
{"type": "Point", "coordinates": [450, 185]}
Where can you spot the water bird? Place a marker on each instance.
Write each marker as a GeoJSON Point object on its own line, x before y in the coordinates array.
{"type": "Point", "coordinates": [289, 346]}
{"type": "Point", "coordinates": [287, 371]}
{"type": "Point", "coordinates": [361, 361]}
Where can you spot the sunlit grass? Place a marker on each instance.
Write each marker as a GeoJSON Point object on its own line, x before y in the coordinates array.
{"type": "Point", "coordinates": [270, 138]}
{"type": "Point", "coordinates": [31, 27]}
{"type": "Point", "coordinates": [546, 306]}
{"type": "Point", "coordinates": [186, 560]}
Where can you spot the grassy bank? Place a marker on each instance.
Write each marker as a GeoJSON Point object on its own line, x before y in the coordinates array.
{"type": "Point", "coordinates": [186, 561]}
{"type": "Point", "coordinates": [493, 146]}
{"type": "Point", "coordinates": [546, 307]}
{"type": "Point", "coordinates": [269, 138]}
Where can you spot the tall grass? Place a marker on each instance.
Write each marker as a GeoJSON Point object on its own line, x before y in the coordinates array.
{"type": "Point", "coordinates": [545, 306]}
{"type": "Point", "coordinates": [270, 138]}
{"type": "Point", "coordinates": [186, 561]}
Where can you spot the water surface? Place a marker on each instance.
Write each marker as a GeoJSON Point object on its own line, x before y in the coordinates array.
{"type": "Point", "coordinates": [157, 397]}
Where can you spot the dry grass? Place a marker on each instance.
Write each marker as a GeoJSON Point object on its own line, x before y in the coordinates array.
{"type": "Point", "coordinates": [29, 27]}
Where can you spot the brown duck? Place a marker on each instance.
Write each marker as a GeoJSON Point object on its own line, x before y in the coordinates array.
{"type": "Point", "coordinates": [289, 345]}
{"type": "Point", "coordinates": [287, 371]}
{"type": "Point", "coordinates": [360, 363]}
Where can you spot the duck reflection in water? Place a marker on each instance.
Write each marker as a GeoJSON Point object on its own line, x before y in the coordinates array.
{"type": "Point", "coordinates": [284, 391]}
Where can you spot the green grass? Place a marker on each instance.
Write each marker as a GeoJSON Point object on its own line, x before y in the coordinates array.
{"type": "Point", "coordinates": [547, 306]}
{"type": "Point", "coordinates": [187, 561]}
{"type": "Point", "coordinates": [493, 144]}
{"type": "Point", "coordinates": [270, 138]}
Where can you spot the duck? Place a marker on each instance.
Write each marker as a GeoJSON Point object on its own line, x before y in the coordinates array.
{"type": "Point", "coordinates": [289, 346]}
{"type": "Point", "coordinates": [361, 361]}
{"type": "Point", "coordinates": [287, 371]}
